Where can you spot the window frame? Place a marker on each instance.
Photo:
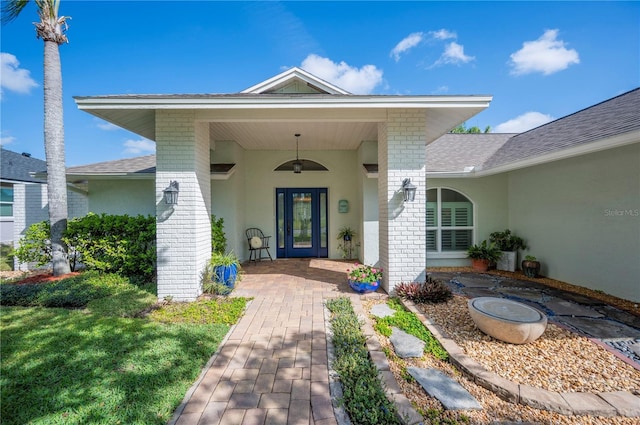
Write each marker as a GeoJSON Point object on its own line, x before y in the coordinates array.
{"type": "Point", "coordinates": [439, 253]}
{"type": "Point", "coordinates": [9, 203]}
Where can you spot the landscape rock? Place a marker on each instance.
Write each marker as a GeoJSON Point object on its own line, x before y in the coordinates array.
{"type": "Point", "coordinates": [406, 345]}
{"type": "Point", "coordinates": [449, 392]}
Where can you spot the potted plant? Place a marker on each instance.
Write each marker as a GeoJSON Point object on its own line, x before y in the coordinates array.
{"type": "Point", "coordinates": [364, 278]}
{"type": "Point", "coordinates": [224, 268]}
{"type": "Point", "coordinates": [509, 244]}
{"type": "Point", "coordinates": [483, 255]}
{"type": "Point", "coordinates": [346, 235]}
{"type": "Point", "coordinates": [530, 266]}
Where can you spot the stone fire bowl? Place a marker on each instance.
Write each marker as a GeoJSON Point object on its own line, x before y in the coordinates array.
{"type": "Point", "coordinates": [507, 320]}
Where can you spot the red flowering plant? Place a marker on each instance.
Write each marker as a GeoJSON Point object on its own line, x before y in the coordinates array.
{"type": "Point", "coordinates": [364, 273]}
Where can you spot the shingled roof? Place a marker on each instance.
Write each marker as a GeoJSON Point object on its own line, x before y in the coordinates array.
{"type": "Point", "coordinates": [140, 165]}
{"type": "Point", "coordinates": [612, 117]}
{"type": "Point", "coordinates": [455, 152]}
{"type": "Point", "coordinates": [18, 167]}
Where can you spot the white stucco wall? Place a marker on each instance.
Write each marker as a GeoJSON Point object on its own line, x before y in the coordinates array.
{"type": "Point", "coordinates": [123, 196]}
{"type": "Point", "coordinates": [581, 218]}
{"type": "Point", "coordinates": [369, 231]}
{"type": "Point", "coordinates": [261, 183]}
{"type": "Point", "coordinates": [491, 209]}
{"type": "Point", "coordinates": [227, 196]}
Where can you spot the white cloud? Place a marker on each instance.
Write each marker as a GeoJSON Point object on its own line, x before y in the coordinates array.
{"type": "Point", "coordinates": [443, 34]}
{"type": "Point", "coordinates": [523, 123]}
{"type": "Point", "coordinates": [5, 140]}
{"type": "Point", "coordinates": [137, 147]}
{"type": "Point", "coordinates": [410, 41]}
{"type": "Point", "coordinates": [12, 77]}
{"type": "Point", "coordinates": [453, 54]}
{"type": "Point", "coordinates": [546, 55]}
{"type": "Point", "coordinates": [355, 80]}
{"type": "Point", "coordinates": [106, 126]}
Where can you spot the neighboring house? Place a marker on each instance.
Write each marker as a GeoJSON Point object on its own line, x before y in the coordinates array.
{"type": "Point", "coordinates": [233, 156]}
{"type": "Point", "coordinates": [23, 199]}
{"type": "Point", "coordinates": [21, 194]}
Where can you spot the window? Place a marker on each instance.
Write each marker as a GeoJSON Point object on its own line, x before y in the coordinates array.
{"type": "Point", "coordinates": [6, 200]}
{"type": "Point", "coordinates": [449, 221]}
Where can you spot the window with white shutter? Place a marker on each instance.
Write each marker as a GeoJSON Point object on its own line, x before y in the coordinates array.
{"type": "Point", "coordinates": [449, 221]}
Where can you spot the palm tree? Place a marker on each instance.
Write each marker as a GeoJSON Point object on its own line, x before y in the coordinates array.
{"type": "Point", "coordinates": [51, 29]}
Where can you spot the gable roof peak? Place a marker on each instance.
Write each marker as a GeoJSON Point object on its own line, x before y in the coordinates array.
{"type": "Point", "coordinates": [288, 78]}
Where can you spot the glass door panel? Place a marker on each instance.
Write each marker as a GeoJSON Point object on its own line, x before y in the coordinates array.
{"type": "Point", "coordinates": [302, 222]}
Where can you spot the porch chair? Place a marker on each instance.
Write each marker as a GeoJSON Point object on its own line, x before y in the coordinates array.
{"type": "Point", "coordinates": [258, 242]}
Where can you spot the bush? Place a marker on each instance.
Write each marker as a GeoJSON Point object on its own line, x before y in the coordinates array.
{"type": "Point", "coordinates": [115, 243]}
{"type": "Point", "coordinates": [363, 396]}
{"type": "Point", "coordinates": [430, 291]}
{"type": "Point", "coordinates": [218, 238]}
{"type": "Point", "coordinates": [35, 246]}
{"type": "Point", "coordinates": [108, 243]}
{"type": "Point", "coordinates": [6, 257]}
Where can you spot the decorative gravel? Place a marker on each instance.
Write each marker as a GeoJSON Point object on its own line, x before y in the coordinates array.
{"type": "Point", "coordinates": [558, 361]}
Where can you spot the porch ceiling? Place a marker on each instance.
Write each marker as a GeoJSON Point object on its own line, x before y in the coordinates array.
{"type": "Point", "coordinates": [269, 123]}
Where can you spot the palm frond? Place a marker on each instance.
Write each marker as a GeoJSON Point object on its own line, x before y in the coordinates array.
{"type": "Point", "coordinates": [11, 9]}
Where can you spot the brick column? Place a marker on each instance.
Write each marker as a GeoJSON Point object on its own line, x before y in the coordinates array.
{"type": "Point", "coordinates": [183, 230]}
{"type": "Point", "coordinates": [401, 154]}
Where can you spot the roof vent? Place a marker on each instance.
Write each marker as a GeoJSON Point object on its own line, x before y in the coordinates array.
{"type": "Point", "coordinates": [27, 154]}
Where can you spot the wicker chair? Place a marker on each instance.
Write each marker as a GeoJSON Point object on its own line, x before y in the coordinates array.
{"type": "Point", "coordinates": [258, 243]}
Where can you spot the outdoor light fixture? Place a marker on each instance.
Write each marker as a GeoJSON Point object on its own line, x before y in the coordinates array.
{"type": "Point", "coordinates": [171, 193]}
{"type": "Point", "coordinates": [297, 164]}
{"type": "Point", "coordinates": [409, 190]}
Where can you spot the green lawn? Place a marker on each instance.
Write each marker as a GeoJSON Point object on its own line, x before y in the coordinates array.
{"type": "Point", "coordinates": [64, 366]}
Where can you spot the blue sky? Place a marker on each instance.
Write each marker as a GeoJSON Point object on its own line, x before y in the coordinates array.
{"type": "Point", "coordinates": [540, 60]}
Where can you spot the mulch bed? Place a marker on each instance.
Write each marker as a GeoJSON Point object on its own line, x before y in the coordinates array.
{"type": "Point", "coordinates": [39, 277]}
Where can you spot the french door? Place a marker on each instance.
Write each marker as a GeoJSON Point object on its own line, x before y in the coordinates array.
{"type": "Point", "coordinates": [302, 222]}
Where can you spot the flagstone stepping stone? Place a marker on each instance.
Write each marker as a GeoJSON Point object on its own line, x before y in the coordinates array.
{"type": "Point", "coordinates": [475, 281]}
{"type": "Point", "coordinates": [451, 394]}
{"type": "Point", "coordinates": [568, 308]}
{"type": "Point", "coordinates": [382, 310]}
{"type": "Point", "coordinates": [406, 345]}
{"type": "Point", "coordinates": [523, 293]}
{"type": "Point", "coordinates": [507, 320]}
{"type": "Point", "coordinates": [601, 328]}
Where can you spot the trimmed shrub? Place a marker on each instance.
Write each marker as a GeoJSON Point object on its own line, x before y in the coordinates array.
{"type": "Point", "coordinates": [115, 243]}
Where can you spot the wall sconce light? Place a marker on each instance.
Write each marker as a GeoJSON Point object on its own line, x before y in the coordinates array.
{"type": "Point", "coordinates": [171, 193]}
{"type": "Point", "coordinates": [409, 190]}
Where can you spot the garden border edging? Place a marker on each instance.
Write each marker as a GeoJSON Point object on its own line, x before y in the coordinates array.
{"type": "Point", "coordinates": [617, 403]}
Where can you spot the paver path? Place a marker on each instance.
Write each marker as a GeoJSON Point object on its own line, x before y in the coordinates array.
{"type": "Point", "coordinates": [272, 368]}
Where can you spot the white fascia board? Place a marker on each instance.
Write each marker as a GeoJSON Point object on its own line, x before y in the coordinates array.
{"type": "Point", "coordinates": [587, 148]}
{"type": "Point", "coordinates": [243, 102]}
{"type": "Point", "coordinates": [110, 176]}
{"type": "Point", "coordinates": [450, 174]}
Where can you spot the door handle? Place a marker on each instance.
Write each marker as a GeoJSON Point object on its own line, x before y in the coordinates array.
{"type": "Point", "coordinates": [288, 228]}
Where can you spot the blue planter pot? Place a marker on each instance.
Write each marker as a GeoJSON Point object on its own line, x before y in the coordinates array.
{"type": "Point", "coordinates": [364, 287]}
{"type": "Point", "coordinates": [226, 275]}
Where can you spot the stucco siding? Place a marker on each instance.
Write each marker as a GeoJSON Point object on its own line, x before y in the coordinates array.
{"type": "Point", "coordinates": [581, 218]}
{"type": "Point", "coordinates": [121, 197]}
{"type": "Point", "coordinates": [261, 183]}
{"type": "Point", "coordinates": [491, 209]}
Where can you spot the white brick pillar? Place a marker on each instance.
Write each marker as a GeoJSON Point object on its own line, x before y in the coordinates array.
{"type": "Point", "coordinates": [401, 155]}
{"type": "Point", "coordinates": [183, 230]}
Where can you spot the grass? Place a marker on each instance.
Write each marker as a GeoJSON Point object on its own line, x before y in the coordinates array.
{"type": "Point", "coordinates": [98, 364]}
{"type": "Point", "coordinates": [6, 257]}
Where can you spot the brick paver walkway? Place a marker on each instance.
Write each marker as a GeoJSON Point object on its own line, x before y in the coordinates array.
{"type": "Point", "coordinates": [272, 368]}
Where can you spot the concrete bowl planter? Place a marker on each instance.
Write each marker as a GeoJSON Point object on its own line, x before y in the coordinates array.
{"type": "Point", "coordinates": [507, 320]}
